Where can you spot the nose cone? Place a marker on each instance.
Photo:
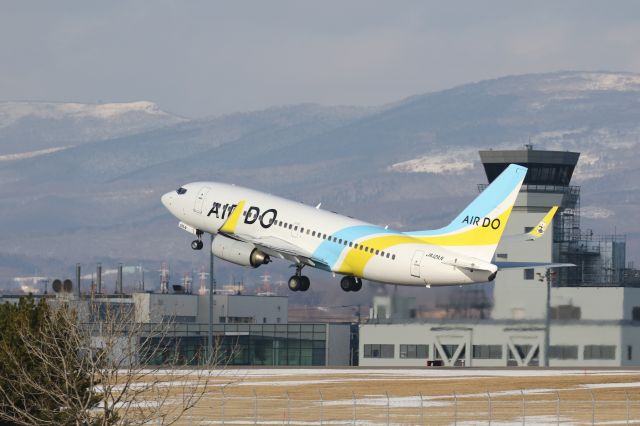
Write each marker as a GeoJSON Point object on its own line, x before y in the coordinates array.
{"type": "Point", "coordinates": [167, 200]}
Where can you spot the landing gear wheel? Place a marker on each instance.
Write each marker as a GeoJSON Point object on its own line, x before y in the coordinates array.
{"type": "Point", "coordinates": [305, 283]}
{"type": "Point", "coordinates": [346, 283]}
{"type": "Point", "coordinates": [197, 244]}
{"type": "Point", "coordinates": [350, 284]}
{"type": "Point", "coordinates": [357, 284]}
{"type": "Point", "coordinates": [295, 283]}
{"type": "Point", "coordinates": [299, 283]}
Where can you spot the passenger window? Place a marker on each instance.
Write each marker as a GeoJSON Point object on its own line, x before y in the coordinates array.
{"type": "Point", "coordinates": [388, 255]}
{"type": "Point", "coordinates": [308, 231]}
{"type": "Point", "coordinates": [313, 234]}
{"type": "Point", "coordinates": [340, 241]}
{"type": "Point", "coordinates": [360, 247]}
{"type": "Point", "coordinates": [290, 226]}
{"type": "Point", "coordinates": [393, 257]}
{"type": "Point", "coordinates": [350, 244]}
{"type": "Point", "coordinates": [302, 230]}
{"type": "Point", "coordinates": [382, 253]}
{"type": "Point", "coordinates": [295, 228]}
{"type": "Point", "coordinates": [324, 236]}
{"type": "Point", "coordinates": [377, 252]}
{"type": "Point", "coordinates": [345, 243]}
{"type": "Point", "coordinates": [335, 240]}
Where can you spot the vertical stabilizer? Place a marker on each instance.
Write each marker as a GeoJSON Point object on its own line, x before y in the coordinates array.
{"type": "Point", "coordinates": [477, 230]}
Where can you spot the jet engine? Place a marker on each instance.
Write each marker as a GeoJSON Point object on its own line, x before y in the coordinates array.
{"type": "Point", "coordinates": [238, 252]}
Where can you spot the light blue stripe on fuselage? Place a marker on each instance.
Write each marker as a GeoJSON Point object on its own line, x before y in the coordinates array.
{"type": "Point", "coordinates": [330, 252]}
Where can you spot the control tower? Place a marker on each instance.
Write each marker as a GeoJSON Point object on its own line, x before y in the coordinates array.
{"type": "Point", "coordinates": [518, 294]}
{"type": "Point", "coordinates": [599, 260]}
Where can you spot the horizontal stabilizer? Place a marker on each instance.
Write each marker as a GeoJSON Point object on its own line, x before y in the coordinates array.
{"type": "Point", "coordinates": [471, 265]}
{"type": "Point", "coordinates": [524, 265]}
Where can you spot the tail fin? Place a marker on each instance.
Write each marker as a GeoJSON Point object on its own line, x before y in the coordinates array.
{"type": "Point", "coordinates": [477, 230]}
{"type": "Point", "coordinates": [537, 231]}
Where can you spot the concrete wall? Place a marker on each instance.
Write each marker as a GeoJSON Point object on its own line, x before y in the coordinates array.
{"type": "Point", "coordinates": [152, 307]}
{"type": "Point", "coordinates": [338, 344]}
{"type": "Point", "coordinates": [510, 335]}
{"type": "Point", "coordinates": [515, 297]}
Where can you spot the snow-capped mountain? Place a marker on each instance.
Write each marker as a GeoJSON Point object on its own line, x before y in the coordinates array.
{"type": "Point", "coordinates": [26, 128]}
{"type": "Point", "coordinates": [412, 164]}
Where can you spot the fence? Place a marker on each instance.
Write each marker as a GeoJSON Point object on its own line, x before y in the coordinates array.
{"type": "Point", "coordinates": [531, 407]}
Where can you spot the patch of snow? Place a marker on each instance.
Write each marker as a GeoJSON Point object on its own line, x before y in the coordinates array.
{"type": "Point", "coordinates": [383, 373]}
{"type": "Point", "coordinates": [592, 81]}
{"type": "Point", "coordinates": [606, 81]}
{"type": "Point", "coordinates": [145, 386]}
{"type": "Point", "coordinates": [10, 112]}
{"type": "Point", "coordinates": [595, 212]}
{"type": "Point", "coordinates": [558, 134]}
{"type": "Point", "coordinates": [394, 401]}
{"type": "Point", "coordinates": [452, 162]}
{"type": "Point", "coordinates": [25, 288]}
{"type": "Point", "coordinates": [540, 420]}
{"type": "Point", "coordinates": [31, 154]}
{"type": "Point", "coordinates": [610, 385]}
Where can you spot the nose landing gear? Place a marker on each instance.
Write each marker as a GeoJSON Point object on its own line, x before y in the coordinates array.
{"type": "Point", "coordinates": [299, 282]}
{"type": "Point", "coordinates": [197, 244]}
{"type": "Point", "coordinates": [350, 283]}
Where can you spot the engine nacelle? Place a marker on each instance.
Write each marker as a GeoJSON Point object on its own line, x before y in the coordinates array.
{"type": "Point", "coordinates": [238, 252]}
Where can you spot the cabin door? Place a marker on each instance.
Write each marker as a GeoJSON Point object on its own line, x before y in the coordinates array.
{"type": "Point", "coordinates": [197, 207]}
{"type": "Point", "coordinates": [415, 263]}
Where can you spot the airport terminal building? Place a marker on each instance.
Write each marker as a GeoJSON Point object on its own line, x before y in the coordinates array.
{"type": "Point", "coordinates": [593, 309]}
{"type": "Point", "coordinates": [247, 329]}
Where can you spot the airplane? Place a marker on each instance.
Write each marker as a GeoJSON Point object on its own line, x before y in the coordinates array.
{"type": "Point", "coordinates": [251, 228]}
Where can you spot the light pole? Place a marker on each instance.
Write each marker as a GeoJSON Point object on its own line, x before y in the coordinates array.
{"type": "Point", "coordinates": [547, 321]}
{"type": "Point", "coordinates": [212, 286]}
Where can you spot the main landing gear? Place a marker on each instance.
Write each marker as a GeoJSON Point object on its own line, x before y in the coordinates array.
{"type": "Point", "coordinates": [197, 244]}
{"type": "Point", "coordinates": [350, 283]}
{"type": "Point", "coordinates": [299, 282]}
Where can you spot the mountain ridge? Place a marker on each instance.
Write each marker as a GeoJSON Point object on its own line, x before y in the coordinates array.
{"type": "Point", "coordinates": [410, 164]}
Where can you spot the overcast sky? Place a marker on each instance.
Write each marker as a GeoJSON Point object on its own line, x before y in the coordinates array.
{"type": "Point", "coordinates": [201, 58]}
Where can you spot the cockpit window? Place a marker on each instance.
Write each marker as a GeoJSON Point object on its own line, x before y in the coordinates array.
{"type": "Point", "coordinates": [181, 190]}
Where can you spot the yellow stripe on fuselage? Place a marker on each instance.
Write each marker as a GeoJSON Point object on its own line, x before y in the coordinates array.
{"type": "Point", "coordinates": [356, 259]}
{"type": "Point", "coordinates": [229, 226]}
{"type": "Point", "coordinates": [478, 236]}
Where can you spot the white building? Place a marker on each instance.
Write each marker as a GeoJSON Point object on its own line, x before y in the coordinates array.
{"type": "Point", "coordinates": [592, 326]}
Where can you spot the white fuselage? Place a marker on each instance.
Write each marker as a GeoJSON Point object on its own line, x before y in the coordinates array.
{"type": "Point", "coordinates": [342, 244]}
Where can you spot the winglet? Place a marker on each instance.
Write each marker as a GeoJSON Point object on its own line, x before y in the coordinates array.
{"type": "Point", "coordinates": [539, 230]}
{"type": "Point", "coordinates": [229, 226]}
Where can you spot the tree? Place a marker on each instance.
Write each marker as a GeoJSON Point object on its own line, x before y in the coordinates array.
{"type": "Point", "coordinates": [90, 363]}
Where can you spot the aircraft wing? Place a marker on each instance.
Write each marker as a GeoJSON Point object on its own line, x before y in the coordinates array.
{"type": "Point", "coordinates": [537, 231]}
{"type": "Point", "coordinates": [523, 265]}
{"type": "Point", "coordinates": [277, 247]}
